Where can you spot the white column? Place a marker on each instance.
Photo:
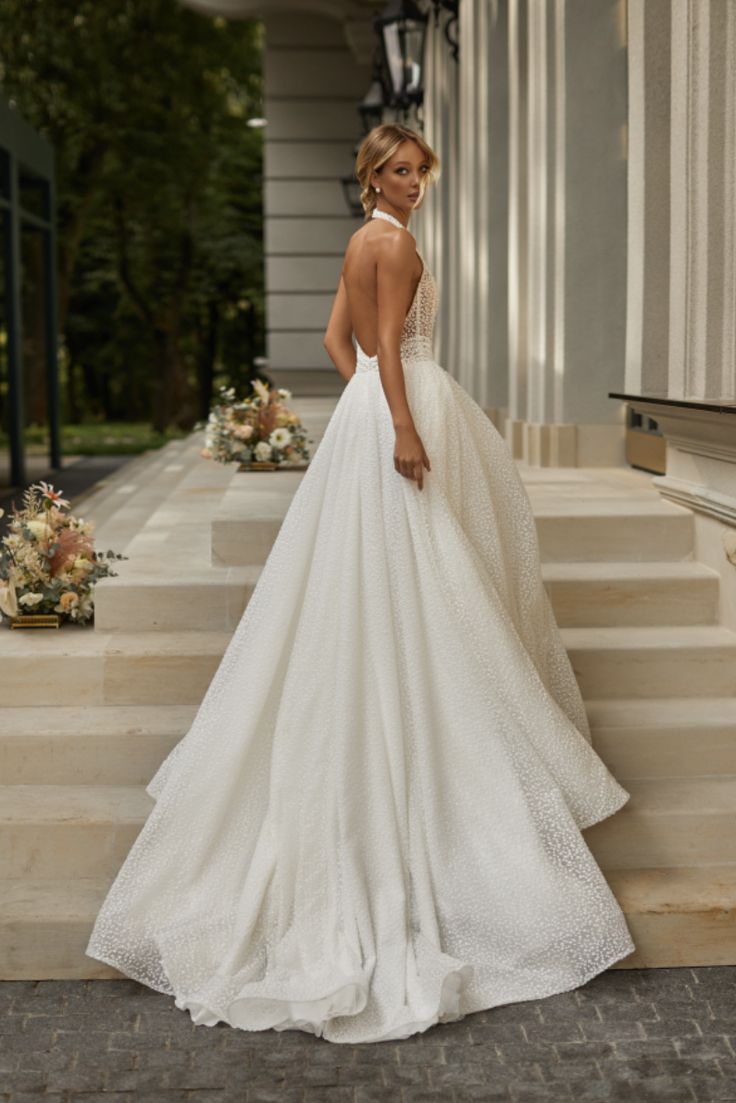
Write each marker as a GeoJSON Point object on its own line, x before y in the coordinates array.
{"type": "Point", "coordinates": [567, 281]}
{"type": "Point", "coordinates": [703, 222]}
{"type": "Point", "coordinates": [539, 217]}
{"type": "Point", "coordinates": [517, 234]}
{"type": "Point", "coordinates": [470, 141]}
{"type": "Point", "coordinates": [436, 224]}
{"type": "Point", "coordinates": [681, 340]}
{"type": "Point", "coordinates": [494, 396]}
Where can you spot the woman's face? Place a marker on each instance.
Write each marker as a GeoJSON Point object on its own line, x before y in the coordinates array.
{"type": "Point", "coordinates": [402, 178]}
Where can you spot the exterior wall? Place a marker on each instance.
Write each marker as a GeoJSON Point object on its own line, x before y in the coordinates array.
{"type": "Point", "coordinates": [681, 342]}
{"type": "Point", "coordinates": [682, 234]}
{"type": "Point", "coordinates": [313, 84]}
{"type": "Point", "coordinates": [583, 230]}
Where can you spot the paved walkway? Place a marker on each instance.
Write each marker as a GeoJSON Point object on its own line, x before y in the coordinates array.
{"type": "Point", "coordinates": [629, 1035]}
{"type": "Point", "coordinates": [78, 473]}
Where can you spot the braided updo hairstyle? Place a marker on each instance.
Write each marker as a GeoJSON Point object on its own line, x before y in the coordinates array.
{"type": "Point", "coordinates": [378, 147]}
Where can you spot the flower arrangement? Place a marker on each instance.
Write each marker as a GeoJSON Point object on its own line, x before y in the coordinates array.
{"type": "Point", "coordinates": [47, 560]}
{"type": "Point", "coordinates": [259, 429]}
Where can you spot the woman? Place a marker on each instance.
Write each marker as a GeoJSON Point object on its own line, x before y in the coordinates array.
{"type": "Point", "coordinates": [374, 822]}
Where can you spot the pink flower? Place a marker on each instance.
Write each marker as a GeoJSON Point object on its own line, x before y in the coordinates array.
{"type": "Point", "coordinates": [55, 496]}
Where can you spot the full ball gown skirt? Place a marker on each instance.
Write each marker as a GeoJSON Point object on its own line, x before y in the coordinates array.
{"type": "Point", "coordinates": [374, 822]}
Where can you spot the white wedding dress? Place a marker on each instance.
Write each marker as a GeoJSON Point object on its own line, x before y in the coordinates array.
{"type": "Point", "coordinates": [374, 822]}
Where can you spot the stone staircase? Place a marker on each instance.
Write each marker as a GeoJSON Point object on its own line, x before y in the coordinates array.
{"type": "Point", "coordinates": [87, 715]}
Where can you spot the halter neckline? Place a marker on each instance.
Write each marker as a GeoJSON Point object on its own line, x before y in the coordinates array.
{"type": "Point", "coordinates": [390, 218]}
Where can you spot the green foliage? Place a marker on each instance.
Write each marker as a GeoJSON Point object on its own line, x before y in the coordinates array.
{"type": "Point", "coordinates": [159, 197]}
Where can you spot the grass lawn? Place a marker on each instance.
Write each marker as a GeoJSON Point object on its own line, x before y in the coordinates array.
{"type": "Point", "coordinates": [98, 438]}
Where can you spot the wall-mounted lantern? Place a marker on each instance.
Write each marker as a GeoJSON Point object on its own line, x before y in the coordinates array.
{"type": "Point", "coordinates": [351, 194]}
{"type": "Point", "coordinates": [401, 29]}
{"type": "Point", "coordinates": [371, 107]}
{"type": "Point", "coordinates": [450, 6]}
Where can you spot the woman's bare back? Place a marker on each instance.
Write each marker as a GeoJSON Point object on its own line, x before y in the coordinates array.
{"type": "Point", "coordinates": [360, 276]}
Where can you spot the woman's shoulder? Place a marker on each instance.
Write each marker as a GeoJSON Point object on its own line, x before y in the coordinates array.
{"type": "Point", "coordinates": [384, 237]}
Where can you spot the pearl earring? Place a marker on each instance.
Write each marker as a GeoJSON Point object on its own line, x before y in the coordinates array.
{"type": "Point", "coordinates": [378, 189]}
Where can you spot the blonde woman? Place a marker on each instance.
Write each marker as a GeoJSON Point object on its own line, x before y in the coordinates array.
{"type": "Point", "coordinates": [374, 823]}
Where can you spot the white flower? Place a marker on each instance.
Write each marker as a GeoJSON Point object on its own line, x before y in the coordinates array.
{"type": "Point", "coordinates": [83, 610]}
{"type": "Point", "coordinates": [261, 389]}
{"type": "Point", "coordinates": [53, 495]}
{"type": "Point", "coordinates": [284, 393]}
{"type": "Point", "coordinates": [8, 600]}
{"type": "Point", "coordinates": [40, 529]}
{"type": "Point", "coordinates": [279, 438]}
{"type": "Point", "coordinates": [263, 450]}
{"type": "Point", "coordinates": [31, 599]}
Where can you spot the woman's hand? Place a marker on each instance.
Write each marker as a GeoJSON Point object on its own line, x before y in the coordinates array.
{"type": "Point", "coordinates": [409, 456]}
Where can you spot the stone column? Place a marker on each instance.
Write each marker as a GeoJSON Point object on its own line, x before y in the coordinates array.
{"type": "Point", "coordinates": [495, 396]}
{"type": "Point", "coordinates": [437, 222]}
{"type": "Point", "coordinates": [470, 157]}
{"type": "Point", "coordinates": [518, 227]}
{"type": "Point", "coordinates": [567, 229]}
{"type": "Point", "coordinates": [648, 257]}
{"type": "Point", "coordinates": [702, 362]}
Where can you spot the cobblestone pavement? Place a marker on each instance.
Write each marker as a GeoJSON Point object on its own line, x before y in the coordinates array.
{"type": "Point", "coordinates": [629, 1035]}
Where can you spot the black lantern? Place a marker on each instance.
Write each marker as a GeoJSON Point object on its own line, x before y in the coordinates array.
{"type": "Point", "coordinates": [351, 194]}
{"type": "Point", "coordinates": [402, 27]}
{"type": "Point", "coordinates": [371, 106]}
{"type": "Point", "coordinates": [451, 25]}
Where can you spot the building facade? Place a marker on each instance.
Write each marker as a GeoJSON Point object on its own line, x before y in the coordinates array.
{"type": "Point", "coordinates": [583, 230]}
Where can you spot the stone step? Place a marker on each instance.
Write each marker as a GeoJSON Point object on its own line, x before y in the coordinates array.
{"type": "Point", "coordinates": [86, 830]}
{"type": "Point", "coordinates": [669, 822]}
{"type": "Point", "coordinates": [628, 533]}
{"type": "Point", "coordinates": [582, 594]}
{"type": "Point", "coordinates": [639, 737]}
{"type": "Point", "coordinates": [694, 660]}
{"type": "Point", "coordinates": [100, 500]}
{"type": "Point", "coordinates": [250, 515]}
{"type": "Point", "coordinates": [254, 506]}
{"type": "Point", "coordinates": [124, 745]}
{"type": "Point", "coordinates": [679, 916]}
{"type": "Point", "coordinates": [632, 593]}
{"type": "Point", "coordinates": [212, 598]}
{"type": "Point", "coordinates": [119, 745]}
{"type": "Point", "coordinates": [68, 830]}
{"type": "Point", "coordinates": [45, 924]}
{"type": "Point", "coordinates": [120, 507]}
{"type": "Point", "coordinates": [76, 665]}
{"type": "Point", "coordinates": [176, 536]}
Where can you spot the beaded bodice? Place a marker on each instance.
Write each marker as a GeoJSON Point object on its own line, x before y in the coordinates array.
{"type": "Point", "coordinates": [418, 330]}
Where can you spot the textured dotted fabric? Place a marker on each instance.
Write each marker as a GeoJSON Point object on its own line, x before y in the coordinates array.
{"type": "Point", "coordinates": [374, 822]}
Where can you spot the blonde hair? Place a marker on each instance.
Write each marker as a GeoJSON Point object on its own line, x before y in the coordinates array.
{"type": "Point", "coordinates": [378, 147]}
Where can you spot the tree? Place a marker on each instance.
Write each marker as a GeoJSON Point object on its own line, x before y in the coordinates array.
{"type": "Point", "coordinates": [159, 183]}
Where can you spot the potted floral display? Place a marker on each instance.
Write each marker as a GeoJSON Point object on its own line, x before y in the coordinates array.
{"type": "Point", "coordinates": [258, 432]}
{"type": "Point", "coordinates": [48, 563]}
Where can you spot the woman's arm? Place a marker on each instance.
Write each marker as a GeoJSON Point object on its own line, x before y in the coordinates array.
{"type": "Point", "coordinates": [395, 261]}
{"type": "Point", "coordinates": [394, 290]}
{"type": "Point", "coordinates": [338, 338]}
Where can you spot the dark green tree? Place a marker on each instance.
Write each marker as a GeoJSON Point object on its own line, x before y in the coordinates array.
{"type": "Point", "coordinates": [159, 184]}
